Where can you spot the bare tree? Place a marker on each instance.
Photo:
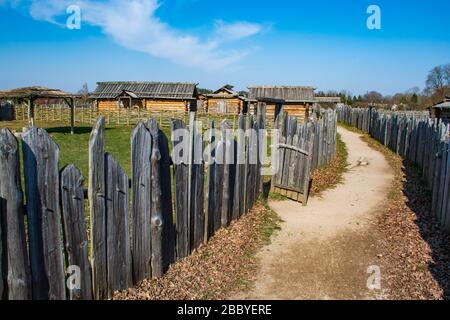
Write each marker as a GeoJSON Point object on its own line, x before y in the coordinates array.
{"type": "Point", "coordinates": [373, 97]}
{"type": "Point", "coordinates": [438, 81]}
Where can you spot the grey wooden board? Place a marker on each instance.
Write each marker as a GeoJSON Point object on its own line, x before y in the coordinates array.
{"type": "Point", "coordinates": [210, 184]}
{"type": "Point", "coordinates": [225, 219]}
{"type": "Point", "coordinates": [76, 242]}
{"type": "Point", "coordinates": [16, 268]}
{"type": "Point", "coordinates": [160, 262]}
{"type": "Point", "coordinates": [181, 191]}
{"type": "Point", "coordinates": [239, 174]}
{"type": "Point", "coordinates": [166, 198]}
{"type": "Point", "coordinates": [198, 188]}
{"type": "Point", "coordinates": [97, 194]}
{"type": "Point", "coordinates": [141, 147]}
{"type": "Point", "coordinates": [2, 263]}
{"type": "Point", "coordinates": [41, 156]}
{"type": "Point", "coordinates": [118, 244]}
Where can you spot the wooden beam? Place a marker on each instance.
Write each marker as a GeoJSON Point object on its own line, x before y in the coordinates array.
{"type": "Point", "coordinates": [31, 111]}
{"type": "Point", "coordinates": [72, 116]}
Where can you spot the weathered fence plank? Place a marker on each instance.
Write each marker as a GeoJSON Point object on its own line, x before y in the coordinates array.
{"type": "Point", "coordinates": [180, 154]}
{"type": "Point", "coordinates": [420, 140]}
{"type": "Point", "coordinates": [97, 194]}
{"type": "Point", "coordinates": [117, 227]}
{"type": "Point", "coordinates": [210, 184]}
{"type": "Point", "coordinates": [76, 242]}
{"type": "Point", "coordinates": [12, 228]}
{"type": "Point", "coordinates": [227, 154]}
{"type": "Point", "coordinates": [160, 220]}
{"type": "Point", "coordinates": [41, 156]}
{"type": "Point", "coordinates": [141, 147]}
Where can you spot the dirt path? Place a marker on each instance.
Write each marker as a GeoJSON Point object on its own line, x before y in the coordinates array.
{"type": "Point", "coordinates": [324, 250]}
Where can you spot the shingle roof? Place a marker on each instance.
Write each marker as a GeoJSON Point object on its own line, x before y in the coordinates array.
{"type": "Point", "coordinates": [287, 93]}
{"type": "Point", "coordinates": [163, 90]}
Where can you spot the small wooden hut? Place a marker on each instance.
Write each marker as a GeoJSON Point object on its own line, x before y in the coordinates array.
{"type": "Point", "coordinates": [36, 95]}
{"type": "Point", "coordinates": [225, 100]}
{"type": "Point", "coordinates": [155, 96]}
{"type": "Point", "coordinates": [297, 99]}
{"type": "Point", "coordinates": [442, 110]}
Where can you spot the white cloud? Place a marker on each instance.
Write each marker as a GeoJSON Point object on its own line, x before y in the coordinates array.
{"type": "Point", "coordinates": [237, 30]}
{"type": "Point", "coordinates": [133, 24]}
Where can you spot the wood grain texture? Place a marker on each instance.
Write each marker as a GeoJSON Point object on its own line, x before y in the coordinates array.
{"type": "Point", "coordinates": [180, 154]}
{"type": "Point", "coordinates": [97, 194]}
{"type": "Point", "coordinates": [141, 148]}
{"type": "Point", "coordinates": [118, 245]}
{"type": "Point", "coordinates": [12, 230]}
{"type": "Point", "coordinates": [159, 221]}
{"type": "Point", "coordinates": [75, 234]}
{"type": "Point", "coordinates": [41, 157]}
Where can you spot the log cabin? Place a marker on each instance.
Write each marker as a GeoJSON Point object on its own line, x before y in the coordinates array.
{"type": "Point", "coordinates": [297, 100]}
{"type": "Point", "coordinates": [442, 110]}
{"type": "Point", "coordinates": [154, 96]}
{"type": "Point", "coordinates": [225, 100]}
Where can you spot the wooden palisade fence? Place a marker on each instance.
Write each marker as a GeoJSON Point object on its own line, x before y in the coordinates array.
{"type": "Point", "coordinates": [303, 147]}
{"type": "Point", "coordinates": [139, 226]}
{"type": "Point", "coordinates": [120, 255]}
{"type": "Point", "coordinates": [418, 139]}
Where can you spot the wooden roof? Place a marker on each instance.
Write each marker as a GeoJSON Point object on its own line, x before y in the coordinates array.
{"type": "Point", "coordinates": [35, 93]}
{"type": "Point", "coordinates": [287, 93]}
{"type": "Point", "coordinates": [443, 105]}
{"type": "Point", "coordinates": [230, 94]}
{"type": "Point", "coordinates": [328, 99]}
{"type": "Point", "coordinates": [160, 90]}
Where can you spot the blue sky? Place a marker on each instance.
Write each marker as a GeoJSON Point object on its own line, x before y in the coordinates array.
{"type": "Point", "coordinates": [325, 44]}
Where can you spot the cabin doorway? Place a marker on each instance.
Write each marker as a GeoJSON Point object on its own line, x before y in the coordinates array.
{"type": "Point", "coordinates": [222, 106]}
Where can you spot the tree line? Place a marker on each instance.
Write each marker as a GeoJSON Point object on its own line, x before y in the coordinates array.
{"type": "Point", "coordinates": [437, 87]}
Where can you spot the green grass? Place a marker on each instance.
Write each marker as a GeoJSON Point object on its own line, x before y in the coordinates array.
{"type": "Point", "coordinates": [74, 148]}
{"type": "Point", "coordinates": [271, 224]}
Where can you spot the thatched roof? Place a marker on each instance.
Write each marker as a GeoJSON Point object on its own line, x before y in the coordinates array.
{"type": "Point", "coordinates": [35, 93]}
{"type": "Point", "coordinates": [150, 90]}
{"type": "Point", "coordinates": [286, 93]}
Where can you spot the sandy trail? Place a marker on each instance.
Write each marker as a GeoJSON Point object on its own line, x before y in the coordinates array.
{"type": "Point", "coordinates": [323, 250]}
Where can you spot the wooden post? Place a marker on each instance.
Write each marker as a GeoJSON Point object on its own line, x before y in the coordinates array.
{"type": "Point", "coordinates": [31, 112]}
{"type": "Point", "coordinates": [117, 227]}
{"type": "Point", "coordinates": [97, 192]}
{"type": "Point", "coordinates": [180, 169]}
{"type": "Point", "coordinates": [41, 157]}
{"type": "Point", "coordinates": [76, 242]}
{"type": "Point", "coordinates": [225, 137]}
{"type": "Point", "coordinates": [210, 185]}
{"type": "Point", "coordinates": [72, 115]}
{"type": "Point", "coordinates": [141, 148]}
{"type": "Point", "coordinates": [159, 220]}
{"type": "Point", "coordinates": [12, 229]}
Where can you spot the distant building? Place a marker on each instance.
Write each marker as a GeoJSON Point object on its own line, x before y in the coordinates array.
{"type": "Point", "coordinates": [225, 100]}
{"type": "Point", "coordinates": [155, 96]}
{"type": "Point", "coordinates": [442, 110]}
{"type": "Point", "coordinates": [298, 100]}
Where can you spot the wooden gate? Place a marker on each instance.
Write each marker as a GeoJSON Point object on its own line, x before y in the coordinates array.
{"type": "Point", "coordinates": [295, 150]}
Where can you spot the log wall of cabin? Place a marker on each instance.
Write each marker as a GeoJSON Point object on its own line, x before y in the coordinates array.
{"type": "Point", "coordinates": [301, 111]}
{"type": "Point", "coordinates": [234, 105]}
{"type": "Point", "coordinates": [150, 104]}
